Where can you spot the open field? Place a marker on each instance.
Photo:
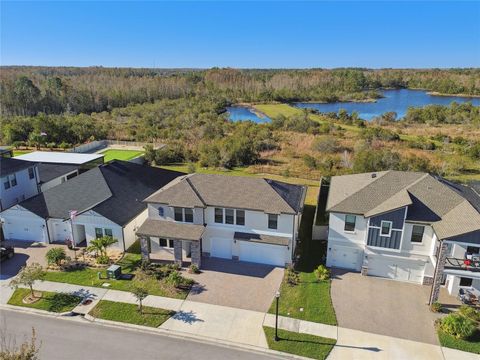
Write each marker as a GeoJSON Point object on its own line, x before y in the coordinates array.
{"type": "Point", "coordinates": [125, 155]}
{"type": "Point", "coordinates": [274, 110]}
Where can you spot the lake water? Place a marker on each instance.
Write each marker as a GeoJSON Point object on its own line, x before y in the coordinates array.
{"type": "Point", "coordinates": [394, 100]}
{"type": "Point", "coordinates": [242, 113]}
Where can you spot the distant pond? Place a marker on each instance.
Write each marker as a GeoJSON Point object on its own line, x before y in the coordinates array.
{"type": "Point", "coordinates": [394, 100]}
{"type": "Point", "coordinates": [243, 113]}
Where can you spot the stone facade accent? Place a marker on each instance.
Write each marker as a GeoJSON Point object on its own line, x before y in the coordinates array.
{"type": "Point", "coordinates": [196, 253]}
{"type": "Point", "coordinates": [145, 247]}
{"type": "Point", "coordinates": [438, 275]}
{"type": "Point", "coordinates": [427, 280]}
{"type": "Point", "coordinates": [177, 252]}
{"type": "Point", "coordinates": [364, 270]}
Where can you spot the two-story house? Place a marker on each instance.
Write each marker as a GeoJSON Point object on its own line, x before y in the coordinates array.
{"type": "Point", "coordinates": [406, 226]}
{"type": "Point", "coordinates": [18, 181]}
{"type": "Point", "coordinates": [241, 218]}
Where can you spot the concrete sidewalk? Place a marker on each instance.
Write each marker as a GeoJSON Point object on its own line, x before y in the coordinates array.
{"type": "Point", "coordinates": [246, 327]}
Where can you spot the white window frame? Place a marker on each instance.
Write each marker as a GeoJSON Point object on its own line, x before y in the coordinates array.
{"type": "Point", "coordinates": [276, 222]}
{"type": "Point", "coordinates": [354, 225]}
{"type": "Point", "coordinates": [390, 228]}
{"type": "Point", "coordinates": [423, 235]}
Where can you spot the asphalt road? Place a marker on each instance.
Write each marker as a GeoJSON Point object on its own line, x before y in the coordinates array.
{"type": "Point", "coordinates": [72, 340]}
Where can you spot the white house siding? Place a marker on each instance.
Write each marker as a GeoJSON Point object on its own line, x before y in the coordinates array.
{"type": "Point", "coordinates": [336, 230]}
{"type": "Point", "coordinates": [168, 213]}
{"type": "Point", "coordinates": [129, 231]}
{"type": "Point", "coordinates": [25, 188]}
{"type": "Point", "coordinates": [21, 224]}
{"type": "Point", "coordinates": [91, 220]}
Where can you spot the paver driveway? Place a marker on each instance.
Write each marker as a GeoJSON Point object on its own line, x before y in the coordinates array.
{"type": "Point", "coordinates": [385, 307]}
{"type": "Point", "coordinates": [236, 284]}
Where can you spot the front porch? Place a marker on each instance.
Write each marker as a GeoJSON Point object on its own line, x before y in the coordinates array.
{"type": "Point", "coordinates": [166, 241]}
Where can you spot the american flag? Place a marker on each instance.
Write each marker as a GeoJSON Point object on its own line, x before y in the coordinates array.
{"type": "Point", "coordinates": [73, 214]}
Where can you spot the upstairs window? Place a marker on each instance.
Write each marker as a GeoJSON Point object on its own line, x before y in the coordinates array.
{"type": "Point", "coordinates": [161, 212]}
{"type": "Point", "coordinates": [350, 223]}
{"type": "Point", "coordinates": [385, 228]}
{"type": "Point", "coordinates": [240, 217]}
{"type": "Point", "coordinates": [272, 221]}
{"type": "Point", "coordinates": [178, 214]}
{"type": "Point", "coordinates": [31, 173]}
{"type": "Point", "coordinates": [188, 215]}
{"type": "Point", "coordinates": [219, 215]}
{"type": "Point", "coordinates": [229, 216]}
{"type": "Point", "coordinates": [13, 180]}
{"type": "Point", "coordinates": [6, 184]}
{"type": "Point", "coordinates": [417, 233]}
{"type": "Point", "coordinates": [163, 242]}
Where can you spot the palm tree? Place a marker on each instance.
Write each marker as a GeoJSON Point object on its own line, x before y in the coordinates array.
{"type": "Point", "coordinates": [101, 244]}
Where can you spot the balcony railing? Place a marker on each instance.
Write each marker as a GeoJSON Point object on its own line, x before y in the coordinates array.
{"type": "Point", "coordinates": [463, 264]}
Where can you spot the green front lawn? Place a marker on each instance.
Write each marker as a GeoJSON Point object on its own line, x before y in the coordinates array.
{"type": "Point", "coordinates": [128, 313]}
{"type": "Point", "coordinates": [89, 277]}
{"type": "Point", "coordinates": [21, 152]}
{"type": "Point", "coordinates": [311, 346]}
{"type": "Point", "coordinates": [471, 345]}
{"type": "Point", "coordinates": [309, 300]}
{"type": "Point", "coordinates": [124, 155]}
{"type": "Point", "coordinates": [50, 301]}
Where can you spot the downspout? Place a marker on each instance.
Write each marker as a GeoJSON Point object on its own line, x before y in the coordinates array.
{"type": "Point", "coordinates": [293, 238]}
{"type": "Point", "coordinates": [48, 232]}
{"type": "Point", "coordinates": [123, 239]}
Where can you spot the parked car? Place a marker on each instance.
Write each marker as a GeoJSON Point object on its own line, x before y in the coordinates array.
{"type": "Point", "coordinates": [6, 252]}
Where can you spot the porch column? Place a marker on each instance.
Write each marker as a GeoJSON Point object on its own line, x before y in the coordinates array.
{"type": "Point", "coordinates": [177, 252]}
{"type": "Point", "coordinates": [438, 274]}
{"type": "Point", "coordinates": [145, 248]}
{"type": "Point", "coordinates": [195, 253]}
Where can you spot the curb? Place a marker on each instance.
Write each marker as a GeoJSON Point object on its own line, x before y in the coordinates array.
{"type": "Point", "coordinates": [155, 331]}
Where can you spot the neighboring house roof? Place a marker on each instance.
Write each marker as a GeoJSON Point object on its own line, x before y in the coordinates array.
{"type": "Point", "coordinates": [428, 199]}
{"type": "Point", "coordinates": [10, 165]}
{"type": "Point", "coordinates": [49, 172]}
{"type": "Point", "coordinates": [114, 190]}
{"type": "Point", "coordinates": [261, 238]}
{"type": "Point", "coordinates": [171, 230]}
{"type": "Point", "coordinates": [59, 157]}
{"type": "Point", "coordinates": [201, 190]}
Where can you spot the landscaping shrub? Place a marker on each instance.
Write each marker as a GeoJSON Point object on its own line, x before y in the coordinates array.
{"type": "Point", "coordinates": [436, 307]}
{"type": "Point", "coordinates": [469, 312]}
{"type": "Point", "coordinates": [103, 259]}
{"type": "Point", "coordinates": [322, 273]}
{"type": "Point", "coordinates": [291, 276]}
{"type": "Point", "coordinates": [457, 326]}
{"type": "Point", "coordinates": [194, 269]}
{"type": "Point", "coordinates": [55, 256]}
{"type": "Point", "coordinates": [175, 279]}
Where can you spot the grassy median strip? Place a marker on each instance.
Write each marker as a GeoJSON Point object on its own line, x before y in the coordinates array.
{"type": "Point", "coordinates": [128, 313]}
{"type": "Point", "coordinates": [311, 346]}
{"type": "Point", "coordinates": [50, 301]}
{"type": "Point", "coordinates": [470, 345]}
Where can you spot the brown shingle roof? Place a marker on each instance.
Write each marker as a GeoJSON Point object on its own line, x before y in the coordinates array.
{"type": "Point", "coordinates": [201, 190]}
{"type": "Point", "coordinates": [171, 230]}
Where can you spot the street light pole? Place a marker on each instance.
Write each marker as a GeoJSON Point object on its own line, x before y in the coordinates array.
{"type": "Point", "coordinates": [277, 296]}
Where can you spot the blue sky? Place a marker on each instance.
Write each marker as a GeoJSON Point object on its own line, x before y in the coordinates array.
{"type": "Point", "coordinates": [248, 34]}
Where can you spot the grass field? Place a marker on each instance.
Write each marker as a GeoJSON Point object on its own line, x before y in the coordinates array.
{"type": "Point", "coordinates": [314, 347]}
{"type": "Point", "coordinates": [125, 155]}
{"type": "Point", "coordinates": [274, 110]}
{"type": "Point", "coordinates": [21, 152]}
{"type": "Point", "coordinates": [128, 313]}
{"type": "Point", "coordinates": [50, 301]}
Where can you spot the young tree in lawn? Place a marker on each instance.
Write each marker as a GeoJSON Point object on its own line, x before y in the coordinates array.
{"type": "Point", "coordinates": [27, 276]}
{"type": "Point", "coordinates": [140, 291]}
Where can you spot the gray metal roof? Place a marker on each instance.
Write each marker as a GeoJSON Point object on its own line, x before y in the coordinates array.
{"type": "Point", "coordinates": [171, 230]}
{"type": "Point", "coordinates": [427, 199]}
{"type": "Point", "coordinates": [49, 172]}
{"type": "Point", "coordinates": [201, 190]}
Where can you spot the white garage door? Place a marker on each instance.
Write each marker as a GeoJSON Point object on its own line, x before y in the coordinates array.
{"type": "Point", "coordinates": [262, 253]}
{"type": "Point", "coordinates": [61, 231]}
{"type": "Point", "coordinates": [401, 270]}
{"type": "Point", "coordinates": [344, 258]}
{"type": "Point", "coordinates": [24, 230]}
{"type": "Point", "coordinates": [221, 248]}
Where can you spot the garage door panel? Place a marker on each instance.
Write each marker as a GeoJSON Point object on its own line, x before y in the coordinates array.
{"type": "Point", "coordinates": [396, 269]}
{"type": "Point", "coordinates": [22, 230]}
{"type": "Point", "coordinates": [263, 253]}
{"type": "Point", "coordinates": [344, 257]}
{"type": "Point", "coordinates": [221, 248]}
